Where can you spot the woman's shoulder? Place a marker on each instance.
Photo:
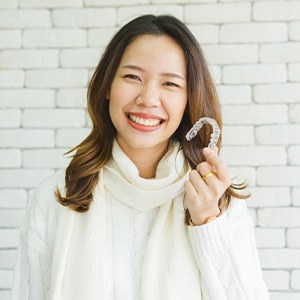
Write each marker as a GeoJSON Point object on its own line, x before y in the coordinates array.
{"type": "Point", "coordinates": [44, 197]}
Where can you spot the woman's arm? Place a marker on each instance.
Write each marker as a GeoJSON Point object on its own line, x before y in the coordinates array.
{"type": "Point", "coordinates": [33, 262]}
{"type": "Point", "coordinates": [226, 254]}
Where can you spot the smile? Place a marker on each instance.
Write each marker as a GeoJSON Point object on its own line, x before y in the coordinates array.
{"type": "Point", "coordinates": [145, 122]}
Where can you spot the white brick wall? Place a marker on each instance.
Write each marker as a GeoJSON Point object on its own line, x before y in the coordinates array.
{"type": "Point", "coordinates": [48, 50]}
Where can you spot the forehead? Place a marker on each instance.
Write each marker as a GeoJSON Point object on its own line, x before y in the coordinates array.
{"type": "Point", "coordinates": [155, 51]}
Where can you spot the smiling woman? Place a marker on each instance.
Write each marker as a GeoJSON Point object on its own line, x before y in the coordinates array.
{"type": "Point", "coordinates": [147, 98]}
{"type": "Point", "coordinates": [140, 212]}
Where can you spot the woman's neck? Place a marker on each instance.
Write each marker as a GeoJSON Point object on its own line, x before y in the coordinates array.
{"type": "Point", "coordinates": [146, 160]}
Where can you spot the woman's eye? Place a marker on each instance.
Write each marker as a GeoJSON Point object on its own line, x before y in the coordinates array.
{"type": "Point", "coordinates": [171, 84]}
{"type": "Point", "coordinates": [131, 76]}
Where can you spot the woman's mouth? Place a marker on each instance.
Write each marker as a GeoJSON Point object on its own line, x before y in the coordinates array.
{"type": "Point", "coordinates": [144, 121]}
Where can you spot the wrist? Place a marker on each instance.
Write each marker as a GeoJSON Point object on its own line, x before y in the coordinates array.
{"type": "Point", "coordinates": [201, 219]}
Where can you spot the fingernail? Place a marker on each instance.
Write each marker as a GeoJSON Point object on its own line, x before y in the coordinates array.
{"type": "Point", "coordinates": [206, 151]}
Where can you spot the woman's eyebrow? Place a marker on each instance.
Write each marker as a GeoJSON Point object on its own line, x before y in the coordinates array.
{"type": "Point", "coordinates": [169, 74]}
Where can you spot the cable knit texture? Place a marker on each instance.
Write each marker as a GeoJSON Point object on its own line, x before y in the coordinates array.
{"type": "Point", "coordinates": [139, 248]}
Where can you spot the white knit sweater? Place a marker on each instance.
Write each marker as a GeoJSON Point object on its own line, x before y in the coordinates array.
{"type": "Point", "coordinates": [225, 273]}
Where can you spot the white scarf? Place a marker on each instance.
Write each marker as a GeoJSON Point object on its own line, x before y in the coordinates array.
{"type": "Point", "coordinates": [169, 270]}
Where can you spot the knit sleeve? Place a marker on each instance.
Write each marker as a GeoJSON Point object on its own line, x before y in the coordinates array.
{"type": "Point", "coordinates": [33, 261]}
{"type": "Point", "coordinates": [226, 254]}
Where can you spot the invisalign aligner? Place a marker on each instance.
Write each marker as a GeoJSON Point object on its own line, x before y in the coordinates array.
{"type": "Point", "coordinates": [199, 124]}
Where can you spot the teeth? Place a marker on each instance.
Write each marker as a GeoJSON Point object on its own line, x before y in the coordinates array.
{"type": "Point", "coordinates": [148, 122]}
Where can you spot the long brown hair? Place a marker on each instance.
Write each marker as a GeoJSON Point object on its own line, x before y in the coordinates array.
{"type": "Point", "coordinates": [95, 151]}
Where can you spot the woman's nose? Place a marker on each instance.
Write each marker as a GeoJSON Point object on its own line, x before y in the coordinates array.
{"type": "Point", "coordinates": [149, 97]}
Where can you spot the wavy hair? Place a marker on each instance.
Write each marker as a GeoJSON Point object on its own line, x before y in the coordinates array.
{"type": "Point", "coordinates": [94, 152]}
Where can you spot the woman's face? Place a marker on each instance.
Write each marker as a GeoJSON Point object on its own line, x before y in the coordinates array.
{"type": "Point", "coordinates": [148, 95]}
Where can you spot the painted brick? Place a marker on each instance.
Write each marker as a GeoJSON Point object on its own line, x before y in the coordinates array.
{"type": "Point", "coordinates": [58, 38]}
{"type": "Point", "coordinates": [241, 74]}
{"type": "Point", "coordinates": [125, 14]}
{"type": "Point", "coordinates": [231, 54]}
{"type": "Point", "coordinates": [234, 94]}
{"type": "Point", "coordinates": [293, 240]}
{"type": "Point", "coordinates": [114, 2]}
{"type": "Point", "coordinates": [277, 93]}
{"type": "Point", "coordinates": [50, 3]}
{"type": "Point", "coordinates": [72, 98]}
{"type": "Point", "coordinates": [181, 1]}
{"type": "Point", "coordinates": [294, 72]}
{"type": "Point", "coordinates": [284, 176]}
{"type": "Point", "coordinates": [85, 18]}
{"type": "Point", "coordinates": [218, 13]}
{"type": "Point", "coordinates": [6, 277]}
{"type": "Point", "coordinates": [11, 78]}
{"type": "Point", "coordinates": [8, 258]}
{"type": "Point", "coordinates": [10, 39]}
{"type": "Point", "coordinates": [29, 18]}
{"type": "Point", "coordinates": [52, 158]}
{"type": "Point", "coordinates": [269, 197]}
{"type": "Point", "coordinates": [253, 33]}
{"type": "Point", "coordinates": [241, 174]}
{"type": "Point", "coordinates": [5, 294]}
{"type": "Point", "coordinates": [287, 52]}
{"type": "Point", "coordinates": [284, 296]}
{"type": "Point", "coordinates": [53, 118]}
{"type": "Point", "coordinates": [279, 217]}
{"type": "Point", "coordinates": [270, 238]}
{"type": "Point", "coordinates": [56, 78]}
{"type": "Point", "coordinates": [29, 59]}
{"type": "Point", "coordinates": [294, 113]}
{"type": "Point", "coordinates": [13, 198]}
{"type": "Point", "coordinates": [22, 98]}
{"type": "Point", "coordinates": [280, 258]}
{"type": "Point", "coordinates": [26, 138]}
{"type": "Point", "coordinates": [100, 37]}
{"type": "Point", "coordinates": [10, 158]}
{"type": "Point", "coordinates": [278, 134]}
{"type": "Point", "coordinates": [215, 72]}
{"type": "Point", "coordinates": [255, 114]}
{"type": "Point", "coordinates": [205, 34]}
{"type": "Point", "coordinates": [80, 58]}
{"type": "Point", "coordinates": [296, 196]}
{"type": "Point", "coordinates": [71, 137]}
{"type": "Point", "coordinates": [254, 155]}
{"type": "Point", "coordinates": [11, 218]}
{"type": "Point", "coordinates": [10, 118]}
{"type": "Point", "coordinates": [276, 280]}
{"type": "Point", "coordinates": [295, 279]}
{"type": "Point", "coordinates": [238, 135]}
{"type": "Point", "coordinates": [22, 178]}
{"type": "Point", "coordinates": [294, 31]}
{"type": "Point", "coordinates": [8, 4]}
{"type": "Point", "coordinates": [276, 10]}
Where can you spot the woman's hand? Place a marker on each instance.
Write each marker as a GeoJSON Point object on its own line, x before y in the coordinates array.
{"type": "Point", "coordinates": [205, 187]}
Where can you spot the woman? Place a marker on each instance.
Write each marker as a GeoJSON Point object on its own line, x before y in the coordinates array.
{"type": "Point", "coordinates": [140, 212]}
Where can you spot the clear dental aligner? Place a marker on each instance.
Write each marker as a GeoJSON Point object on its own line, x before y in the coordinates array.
{"type": "Point", "coordinates": [199, 124]}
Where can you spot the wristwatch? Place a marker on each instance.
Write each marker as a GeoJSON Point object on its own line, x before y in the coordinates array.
{"type": "Point", "coordinates": [208, 219]}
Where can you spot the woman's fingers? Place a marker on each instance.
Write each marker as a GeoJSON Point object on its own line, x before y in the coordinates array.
{"type": "Point", "coordinates": [197, 181]}
{"type": "Point", "coordinates": [221, 170]}
{"type": "Point", "coordinates": [206, 184]}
